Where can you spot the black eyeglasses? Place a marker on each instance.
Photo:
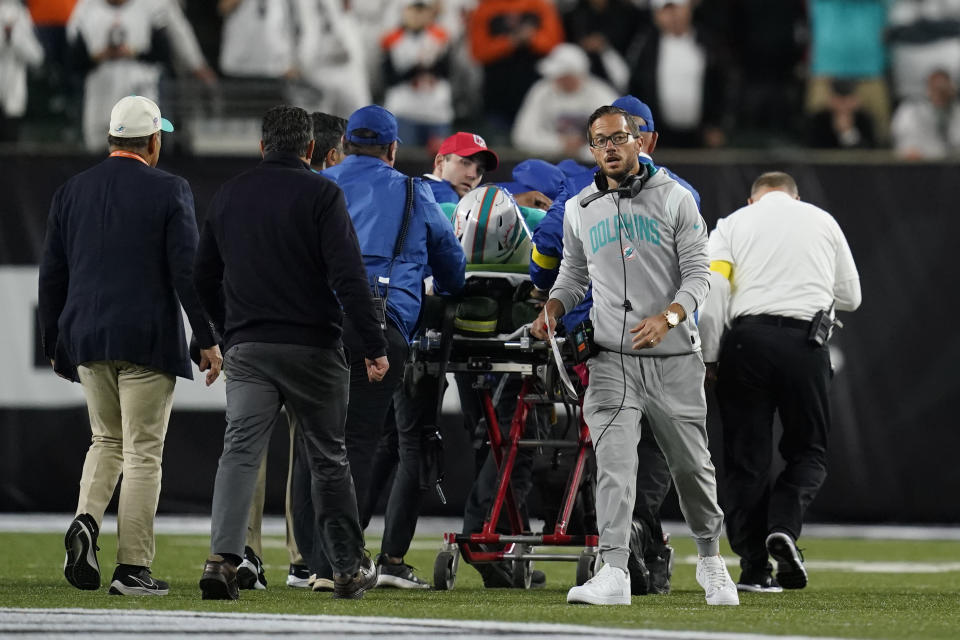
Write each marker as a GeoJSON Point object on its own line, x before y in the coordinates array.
{"type": "Point", "coordinates": [618, 138]}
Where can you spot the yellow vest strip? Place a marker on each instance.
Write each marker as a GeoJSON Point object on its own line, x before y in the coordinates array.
{"type": "Point", "coordinates": [722, 267]}
{"type": "Point", "coordinates": [542, 261]}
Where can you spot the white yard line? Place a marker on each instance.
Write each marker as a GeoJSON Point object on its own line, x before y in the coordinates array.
{"type": "Point", "coordinates": [64, 623]}
{"type": "Point", "coordinates": [855, 566]}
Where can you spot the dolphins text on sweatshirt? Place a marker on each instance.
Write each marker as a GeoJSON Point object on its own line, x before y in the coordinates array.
{"type": "Point", "coordinates": [659, 239]}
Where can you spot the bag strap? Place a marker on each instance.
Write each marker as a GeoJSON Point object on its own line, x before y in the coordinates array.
{"type": "Point", "coordinates": [401, 238]}
{"type": "Point", "coordinates": [405, 225]}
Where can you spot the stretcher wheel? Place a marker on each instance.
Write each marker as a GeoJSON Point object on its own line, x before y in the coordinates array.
{"type": "Point", "coordinates": [586, 566]}
{"type": "Point", "coordinates": [522, 573]}
{"type": "Point", "coordinates": [445, 570]}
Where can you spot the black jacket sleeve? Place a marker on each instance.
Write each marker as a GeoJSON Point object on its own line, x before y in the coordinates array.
{"type": "Point", "coordinates": [346, 272]}
{"type": "Point", "coordinates": [208, 272]}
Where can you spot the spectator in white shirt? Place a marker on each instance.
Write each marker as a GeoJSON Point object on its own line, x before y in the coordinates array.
{"type": "Point", "coordinates": [929, 128]}
{"type": "Point", "coordinates": [416, 69]}
{"type": "Point", "coordinates": [923, 35]}
{"type": "Point", "coordinates": [124, 46]}
{"type": "Point", "coordinates": [258, 39]}
{"type": "Point", "coordinates": [19, 48]}
{"type": "Point", "coordinates": [680, 70]}
{"type": "Point", "coordinates": [552, 119]}
{"type": "Point", "coordinates": [331, 58]}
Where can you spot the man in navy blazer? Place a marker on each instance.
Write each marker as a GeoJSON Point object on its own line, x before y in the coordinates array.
{"type": "Point", "coordinates": [117, 266]}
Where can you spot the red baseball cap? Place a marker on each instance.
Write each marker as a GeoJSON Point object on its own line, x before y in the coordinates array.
{"type": "Point", "coordinates": [469, 144]}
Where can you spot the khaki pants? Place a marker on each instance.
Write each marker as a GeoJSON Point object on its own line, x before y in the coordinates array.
{"type": "Point", "coordinates": [254, 529]}
{"type": "Point", "coordinates": [129, 407]}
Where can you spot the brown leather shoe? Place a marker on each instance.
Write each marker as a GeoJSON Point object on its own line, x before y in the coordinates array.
{"type": "Point", "coordinates": [219, 579]}
{"type": "Point", "coordinates": [352, 587]}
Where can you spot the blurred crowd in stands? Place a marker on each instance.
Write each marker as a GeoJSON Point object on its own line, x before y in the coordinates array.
{"type": "Point", "coordinates": [524, 73]}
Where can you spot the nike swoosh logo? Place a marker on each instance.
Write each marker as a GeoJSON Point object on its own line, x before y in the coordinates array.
{"type": "Point", "coordinates": [695, 227]}
{"type": "Point", "coordinates": [146, 585]}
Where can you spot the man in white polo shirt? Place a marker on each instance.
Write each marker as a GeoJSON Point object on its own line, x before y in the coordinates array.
{"type": "Point", "coordinates": [775, 264]}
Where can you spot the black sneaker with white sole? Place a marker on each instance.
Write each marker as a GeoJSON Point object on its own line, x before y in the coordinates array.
{"type": "Point", "coordinates": [130, 580]}
{"type": "Point", "coordinates": [791, 573]}
{"type": "Point", "coordinates": [399, 575]}
{"type": "Point", "coordinates": [250, 572]}
{"type": "Point", "coordinates": [299, 577]}
{"type": "Point", "coordinates": [758, 581]}
{"type": "Point", "coordinates": [80, 567]}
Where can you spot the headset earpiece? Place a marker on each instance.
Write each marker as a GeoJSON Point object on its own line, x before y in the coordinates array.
{"type": "Point", "coordinates": [634, 183]}
{"type": "Point", "coordinates": [629, 188]}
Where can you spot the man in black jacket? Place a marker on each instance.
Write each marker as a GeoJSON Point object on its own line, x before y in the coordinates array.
{"type": "Point", "coordinates": [116, 267]}
{"type": "Point", "coordinates": [679, 68]}
{"type": "Point", "coordinates": [278, 241]}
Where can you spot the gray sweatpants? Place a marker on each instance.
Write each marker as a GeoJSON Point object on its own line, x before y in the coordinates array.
{"type": "Point", "coordinates": [669, 390]}
{"type": "Point", "coordinates": [313, 384]}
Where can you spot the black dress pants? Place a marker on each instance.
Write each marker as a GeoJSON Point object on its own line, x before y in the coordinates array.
{"type": "Point", "coordinates": [368, 409]}
{"type": "Point", "coordinates": [370, 404]}
{"type": "Point", "coordinates": [764, 369]}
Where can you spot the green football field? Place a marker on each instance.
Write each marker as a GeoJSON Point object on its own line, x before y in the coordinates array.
{"type": "Point", "coordinates": [858, 588]}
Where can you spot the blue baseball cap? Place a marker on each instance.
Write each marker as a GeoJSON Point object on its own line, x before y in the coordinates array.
{"type": "Point", "coordinates": [634, 107]}
{"type": "Point", "coordinates": [376, 119]}
{"type": "Point", "coordinates": [535, 175]}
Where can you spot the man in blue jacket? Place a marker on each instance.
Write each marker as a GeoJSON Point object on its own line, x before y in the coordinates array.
{"type": "Point", "coordinates": [402, 233]}
{"type": "Point", "coordinates": [650, 554]}
{"type": "Point", "coordinates": [117, 266]}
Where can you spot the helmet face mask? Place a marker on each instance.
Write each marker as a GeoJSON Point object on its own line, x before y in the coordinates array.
{"type": "Point", "coordinates": [488, 223]}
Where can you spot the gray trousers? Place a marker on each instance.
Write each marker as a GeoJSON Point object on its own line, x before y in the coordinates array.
{"type": "Point", "coordinates": [669, 391]}
{"type": "Point", "coordinates": [312, 384]}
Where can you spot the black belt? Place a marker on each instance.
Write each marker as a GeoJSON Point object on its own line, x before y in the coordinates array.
{"type": "Point", "coordinates": [776, 321]}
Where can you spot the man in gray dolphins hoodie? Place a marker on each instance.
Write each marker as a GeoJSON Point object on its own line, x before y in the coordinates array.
{"type": "Point", "coordinates": [638, 235]}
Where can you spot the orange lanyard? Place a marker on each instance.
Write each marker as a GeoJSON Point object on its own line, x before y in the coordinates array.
{"type": "Point", "coordinates": [127, 154]}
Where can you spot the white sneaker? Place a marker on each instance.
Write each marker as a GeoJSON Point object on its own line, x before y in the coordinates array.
{"type": "Point", "coordinates": [713, 577]}
{"type": "Point", "coordinates": [610, 586]}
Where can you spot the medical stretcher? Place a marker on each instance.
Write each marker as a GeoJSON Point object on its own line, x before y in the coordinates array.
{"type": "Point", "coordinates": [517, 353]}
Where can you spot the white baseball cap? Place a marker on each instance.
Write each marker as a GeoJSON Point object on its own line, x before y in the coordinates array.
{"type": "Point", "coordinates": [563, 59]}
{"type": "Point", "coordinates": [135, 117]}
